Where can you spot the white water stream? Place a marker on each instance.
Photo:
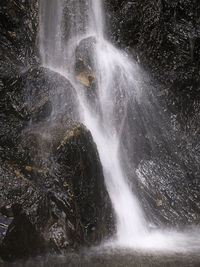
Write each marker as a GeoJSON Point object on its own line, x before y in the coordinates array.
{"type": "Point", "coordinates": [116, 80]}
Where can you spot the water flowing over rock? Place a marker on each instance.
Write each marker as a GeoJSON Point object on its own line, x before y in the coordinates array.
{"type": "Point", "coordinates": [71, 101]}
{"type": "Point", "coordinates": [165, 36]}
{"type": "Point", "coordinates": [125, 114]}
{"type": "Point", "coordinates": [52, 196]}
{"type": "Point", "coordinates": [55, 197]}
{"type": "Point", "coordinates": [27, 99]}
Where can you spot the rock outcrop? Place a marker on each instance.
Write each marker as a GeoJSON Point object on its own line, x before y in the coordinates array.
{"type": "Point", "coordinates": [162, 130]}
{"type": "Point", "coordinates": [53, 196]}
{"type": "Point", "coordinates": [29, 98]}
{"type": "Point", "coordinates": [165, 36]}
{"type": "Point", "coordinates": [163, 164]}
{"type": "Point", "coordinates": [54, 199]}
{"type": "Point", "coordinates": [52, 193]}
{"type": "Point", "coordinates": [18, 26]}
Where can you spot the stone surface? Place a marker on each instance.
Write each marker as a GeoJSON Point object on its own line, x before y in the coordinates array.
{"type": "Point", "coordinates": [50, 175]}
{"type": "Point", "coordinates": [55, 195]}
{"type": "Point", "coordinates": [162, 161]}
{"type": "Point", "coordinates": [164, 35]}
{"type": "Point", "coordinates": [18, 26]}
{"type": "Point", "coordinates": [51, 178]}
{"type": "Point", "coordinates": [162, 130]}
{"type": "Point", "coordinates": [85, 70]}
{"type": "Point", "coordinates": [32, 97]}
{"type": "Point", "coordinates": [52, 193]}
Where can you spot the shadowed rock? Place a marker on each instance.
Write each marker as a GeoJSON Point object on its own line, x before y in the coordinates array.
{"type": "Point", "coordinates": [34, 96]}
{"type": "Point", "coordinates": [56, 195]}
{"type": "Point", "coordinates": [52, 193]}
{"type": "Point", "coordinates": [165, 36]}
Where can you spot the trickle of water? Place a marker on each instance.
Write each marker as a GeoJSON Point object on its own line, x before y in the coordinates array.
{"type": "Point", "coordinates": [115, 79]}
{"type": "Point", "coordinates": [51, 45]}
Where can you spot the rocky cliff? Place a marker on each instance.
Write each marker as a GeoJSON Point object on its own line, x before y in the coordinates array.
{"type": "Point", "coordinates": [52, 192]}
{"type": "Point", "coordinates": [163, 36]}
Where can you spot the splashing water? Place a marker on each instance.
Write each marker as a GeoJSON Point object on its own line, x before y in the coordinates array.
{"type": "Point", "coordinates": [116, 79]}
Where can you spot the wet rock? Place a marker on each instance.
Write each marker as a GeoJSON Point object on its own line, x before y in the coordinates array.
{"type": "Point", "coordinates": [41, 93]}
{"type": "Point", "coordinates": [165, 36]}
{"type": "Point", "coordinates": [57, 192]}
{"type": "Point", "coordinates": [18, 26]}
{"type": "Point", "coordinates": [75, 18]}
{"type": "Point", "coordinates": [18, 52]}
{"type": "Point", "coordinates": [84, 61]}
{"type": "Point", "coordinates": [168, 193]}
{"type": "Point", "coordinates": [162, 162]}
{"type": "Point", "coordinates": [85, 69]}
{"type": "Point", "coordinates": [4, 224]}
{"type": "Point", "coordinates": [85, 78]}
{"type": "Point", "coordinates": [52, 192]}
{"type": "Point", "coordinates": [15, 191]}
{"type": "Point", "coordinates": [34, 96]}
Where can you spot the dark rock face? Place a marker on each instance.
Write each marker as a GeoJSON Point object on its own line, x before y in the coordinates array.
{"type": "Point", "coordinates": [18, 26]}
{"type": "Point", "coordinates": [169, 192]}
{"type": "Point", "coordinates": [162, 161]}
{"type": "Point", "coordinates": [165, 35]}
{"type": "Point", "coordinates": [51, 177]}
{"type": "Point", "coordinates": [53, 196]}
{"type": "Point", "coordinates": [56, 198]}
{"type": "Point", "coordinates": [85, 70]}
{"type": "Point", "coordinates": [52, 192]}
{"type": "Point", "coordinates": [34, 96]}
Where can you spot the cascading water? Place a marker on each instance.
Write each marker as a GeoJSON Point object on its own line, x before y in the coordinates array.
{"type": "Point", "coordinates": [115, 79]}
{"type": "Point", "coordinates": [51, 42]}
{"type": "Point", "coordinates": [112, 72]}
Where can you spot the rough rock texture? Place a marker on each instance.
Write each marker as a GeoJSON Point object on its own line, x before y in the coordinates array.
{"type": "Point", "coordinates": [18, 26]}
{"type": "Point", "coordinates": [52, 192]}
{"type": "Point", "coordinates": [55, 196]}
{"type": "Point", "coordinates": [85, 70]}
{"type": "Point", "coordinates": [163, 36]}
{"type": "Point", "coordinates": [169, 192]}
{"type": "Point", "coordinates": [162, 161]}
{"type": "Point", "coordinates": [34, 96]}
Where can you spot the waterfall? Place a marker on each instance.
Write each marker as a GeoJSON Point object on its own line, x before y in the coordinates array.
{"type": "Point", "coordinates": [72, 42]}
{"type": "Point", "coordinates": [51, 32]}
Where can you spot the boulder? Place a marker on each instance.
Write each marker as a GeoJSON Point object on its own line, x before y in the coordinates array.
{"type": "Point", "coordinates": [52, 192]}
{"type": "Point", "coordinates": [34, 96]}
{"type": "Point", "coordinates": [85, 69]}
{"type": "Point", "coordinates": [56, 192]}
